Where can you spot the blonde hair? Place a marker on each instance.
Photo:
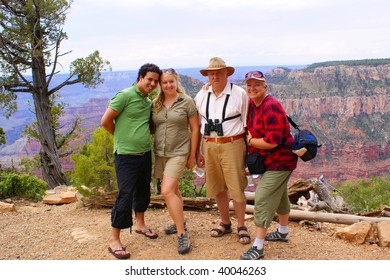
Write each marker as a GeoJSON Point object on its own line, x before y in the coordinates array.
{"type": "Point", "coordinates": [159, 100]}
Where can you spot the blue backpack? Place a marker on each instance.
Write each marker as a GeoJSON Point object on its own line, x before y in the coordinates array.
{"type": "Point", "coordinates": [304, 139]}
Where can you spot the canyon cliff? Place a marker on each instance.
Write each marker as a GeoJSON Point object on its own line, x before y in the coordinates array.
{"type": "Point", "coordinates": [348, 109]}
{"type": "Point", "coordinates": [346, 105]}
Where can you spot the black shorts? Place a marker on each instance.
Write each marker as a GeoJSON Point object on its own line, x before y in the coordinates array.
{"type": "Point", "coordinates": [133, 175]}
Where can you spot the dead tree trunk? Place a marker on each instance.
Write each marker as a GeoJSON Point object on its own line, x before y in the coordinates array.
{"type": "Point", "coordinates": [299, 215]}
{"type": "Point", "coordinates": [108, 200]}
{"type": "Point", "coordinates": [328, 194]}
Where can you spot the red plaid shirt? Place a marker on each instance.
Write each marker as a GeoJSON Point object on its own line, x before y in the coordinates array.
{"type": "Point", "coordinates": [269, 121]}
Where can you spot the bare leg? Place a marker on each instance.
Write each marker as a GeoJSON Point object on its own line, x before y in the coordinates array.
{"type": "Point", "coordinates": [239, 208]}
{"type": "Point", "coordinates": [283, 219]}
{"type": "Point", "coordinates": [223, 206]}
{"type": "Point", "coordinates": [141, 226]}
{"type": "Point", "coordinates": [172, 196]}
{"type": "Point", "coordinates": [262, 232]}
{"type": "Point", "coordinates": [115, 242]}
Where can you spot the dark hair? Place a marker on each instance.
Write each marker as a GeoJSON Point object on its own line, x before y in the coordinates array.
{"type": "Point", "coordinates": [148, 67]}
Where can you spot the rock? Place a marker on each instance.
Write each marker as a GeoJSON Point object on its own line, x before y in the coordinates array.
{"type": "Point", "coordinates": [384, 234]}
{"type": "Point", "coordinates": [367, 232]}
{"type": "Point", "coordinates": [61, 195]}
{"type": "Point", "coordinates": [355, 233]}
{"type": "Point", "coordinates": [372, 236]}
{"type": "Point", "coordinates": [6, 207]}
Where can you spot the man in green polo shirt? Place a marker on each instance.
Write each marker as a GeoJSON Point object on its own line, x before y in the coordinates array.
{"type": "Point", "coordinates": [127, 118]}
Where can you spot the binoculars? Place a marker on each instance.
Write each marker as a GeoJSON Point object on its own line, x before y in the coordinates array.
{"type": "Point", "coordinates": [213, 126]}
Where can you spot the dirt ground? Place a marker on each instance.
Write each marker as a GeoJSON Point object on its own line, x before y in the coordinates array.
{"type": "Point", "coordinates": [37, 231]}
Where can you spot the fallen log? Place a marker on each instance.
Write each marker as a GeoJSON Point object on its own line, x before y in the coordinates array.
{"type": "Point", "coordinates": [102, 200]}
{"type": "Point", "coordinates": [108, 200]}
{"type": "Point", "coordinates": [295, 191]}
{"type": "Point", "coordinates": [385, 212]}
{"type": "Point", "coordinates": [201, 203]}
{"type": "Point", "coordinates": [327, 195]}
{"type": "Point", "coordinates": [330, 196]}
{"type": "Point", "coordinates": [299, 215]}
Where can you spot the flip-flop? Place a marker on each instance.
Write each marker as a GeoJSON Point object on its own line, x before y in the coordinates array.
{"type": "Point", "coordinates": [119, 256]}
{"type": "Point", "coordinates": [151, 235]}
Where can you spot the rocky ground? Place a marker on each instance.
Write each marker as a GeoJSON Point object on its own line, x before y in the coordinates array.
{"type": "Point", "coordinates": [37, 231]}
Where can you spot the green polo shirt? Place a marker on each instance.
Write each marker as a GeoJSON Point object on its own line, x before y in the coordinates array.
{"type": "Point", "coordinates": [132, 133]}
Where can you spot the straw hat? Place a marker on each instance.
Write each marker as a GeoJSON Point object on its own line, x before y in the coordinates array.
{"type": "Point", "coordinates": [217, 63]}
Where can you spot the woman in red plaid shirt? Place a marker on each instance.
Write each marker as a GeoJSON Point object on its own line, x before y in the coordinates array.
{"type": "Point", "coordinates": [269, 135]}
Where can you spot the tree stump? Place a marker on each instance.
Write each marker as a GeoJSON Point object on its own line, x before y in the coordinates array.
{"type": "Point", "coordinates": [297, 189]}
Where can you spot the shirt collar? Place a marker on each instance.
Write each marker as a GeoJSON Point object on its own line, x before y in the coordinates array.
{"type": "Point", "coordinates": [137, 90]}
{"type": "Point", "coordinates": [226, 91]}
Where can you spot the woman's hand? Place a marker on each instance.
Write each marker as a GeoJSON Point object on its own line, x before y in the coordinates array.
{"type": "Point", "coordinates": [190, 162]}
{"type": "Point", "coordinates": [248, 138]}
{"type": "Point", "coordinates": [206, 86]}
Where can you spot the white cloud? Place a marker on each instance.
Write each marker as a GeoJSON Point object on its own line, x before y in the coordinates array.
{"type": "Point", "coordinates": [174, 33]}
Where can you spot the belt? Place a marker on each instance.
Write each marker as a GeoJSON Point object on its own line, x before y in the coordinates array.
{"type": "Point", "coordinates": [134, 155]}
{"type": "Point", "coordinates": [223, 139]}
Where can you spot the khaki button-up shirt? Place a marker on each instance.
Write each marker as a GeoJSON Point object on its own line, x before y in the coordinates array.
{"type": "Point", "coordinates": [172, 135]}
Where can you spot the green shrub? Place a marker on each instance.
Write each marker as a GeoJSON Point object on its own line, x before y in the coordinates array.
{"type": "Point", "coordinates": [94, 167]}
{"type": "Point", "coordinates": [366, 195]}
{"type": "Point", "coordinates": [21, 185]}
{"type": "Point", "coordinates": [189, 187]}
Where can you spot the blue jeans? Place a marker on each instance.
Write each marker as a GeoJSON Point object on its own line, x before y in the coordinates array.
{"type": "Point", "coordinates": [133, 175]}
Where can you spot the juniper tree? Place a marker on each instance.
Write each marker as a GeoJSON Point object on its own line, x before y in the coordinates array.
{"type": "Point", "coordinates": [31, 32]}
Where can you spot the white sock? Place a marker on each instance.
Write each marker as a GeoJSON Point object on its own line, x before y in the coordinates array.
{"type": "Point", "coordinates": [283, 229]}
{"type": "Point", "coordinates": [259, 243]}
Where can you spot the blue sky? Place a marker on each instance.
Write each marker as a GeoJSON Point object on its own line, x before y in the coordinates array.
{"type": "Point", "coordinates": [181, 34]}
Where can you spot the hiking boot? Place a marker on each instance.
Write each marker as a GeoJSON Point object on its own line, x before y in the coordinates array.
{"type": "Point", "coordinates": [276, 236]}
{"type": "Point", "coordinates": [172, 229]}
{"type": "Point", "coordinates": [252, 254]}
{"type": "Point", "coordinates": [184, 244]}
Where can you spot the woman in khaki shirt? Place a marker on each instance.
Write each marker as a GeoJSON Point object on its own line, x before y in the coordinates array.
{"type": "Point", "coordinates": [174, 147]}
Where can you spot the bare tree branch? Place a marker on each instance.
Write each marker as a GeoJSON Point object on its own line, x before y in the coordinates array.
{"type": "Point", "coordinates": [65, 83]}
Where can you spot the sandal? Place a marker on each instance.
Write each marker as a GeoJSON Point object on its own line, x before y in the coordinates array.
{"type": "Point", "coordinates": [148, 233]}
{"type": "Point", "coordinates": [114, 252]}
{"type": "Point", "coordinates": [243, 235]}
{"type": "Point", "coordinates": [228, 229]}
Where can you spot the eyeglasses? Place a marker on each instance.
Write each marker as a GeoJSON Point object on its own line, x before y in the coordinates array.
{"type": "Point", "coordinates": [169, 70]}
{"type": "Point", "coordinates": [255, 75]}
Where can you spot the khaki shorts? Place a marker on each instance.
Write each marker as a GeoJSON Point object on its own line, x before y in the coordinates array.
{"type": "Point", "coordinates": [169, 166]}
{"type": "Point", "coordinates": [271, 196]}
{"type": "Point", "coordinates": [225, 168]}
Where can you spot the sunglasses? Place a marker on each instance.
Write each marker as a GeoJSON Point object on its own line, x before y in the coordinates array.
{"type": "Point", "coordinates": [255, 75]}
{"type": "Point", "coordinates": [169, 70]}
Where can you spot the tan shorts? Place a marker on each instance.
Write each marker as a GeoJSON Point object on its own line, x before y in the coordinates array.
{"type": "Point", "coordinates": [169, 166]}
{"type": "Point", "coordinates": [225, 168]}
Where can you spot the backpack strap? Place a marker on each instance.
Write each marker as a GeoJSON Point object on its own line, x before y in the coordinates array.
{"type": "Point", "coordinates": [293, 123]}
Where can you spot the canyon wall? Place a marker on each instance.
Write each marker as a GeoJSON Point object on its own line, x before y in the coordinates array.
{"type": "Point", "coordinates": [346, 106]}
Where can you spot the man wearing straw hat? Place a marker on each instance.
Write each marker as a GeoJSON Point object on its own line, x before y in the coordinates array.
{"type": "Point", "coordinates": [222, 110]}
